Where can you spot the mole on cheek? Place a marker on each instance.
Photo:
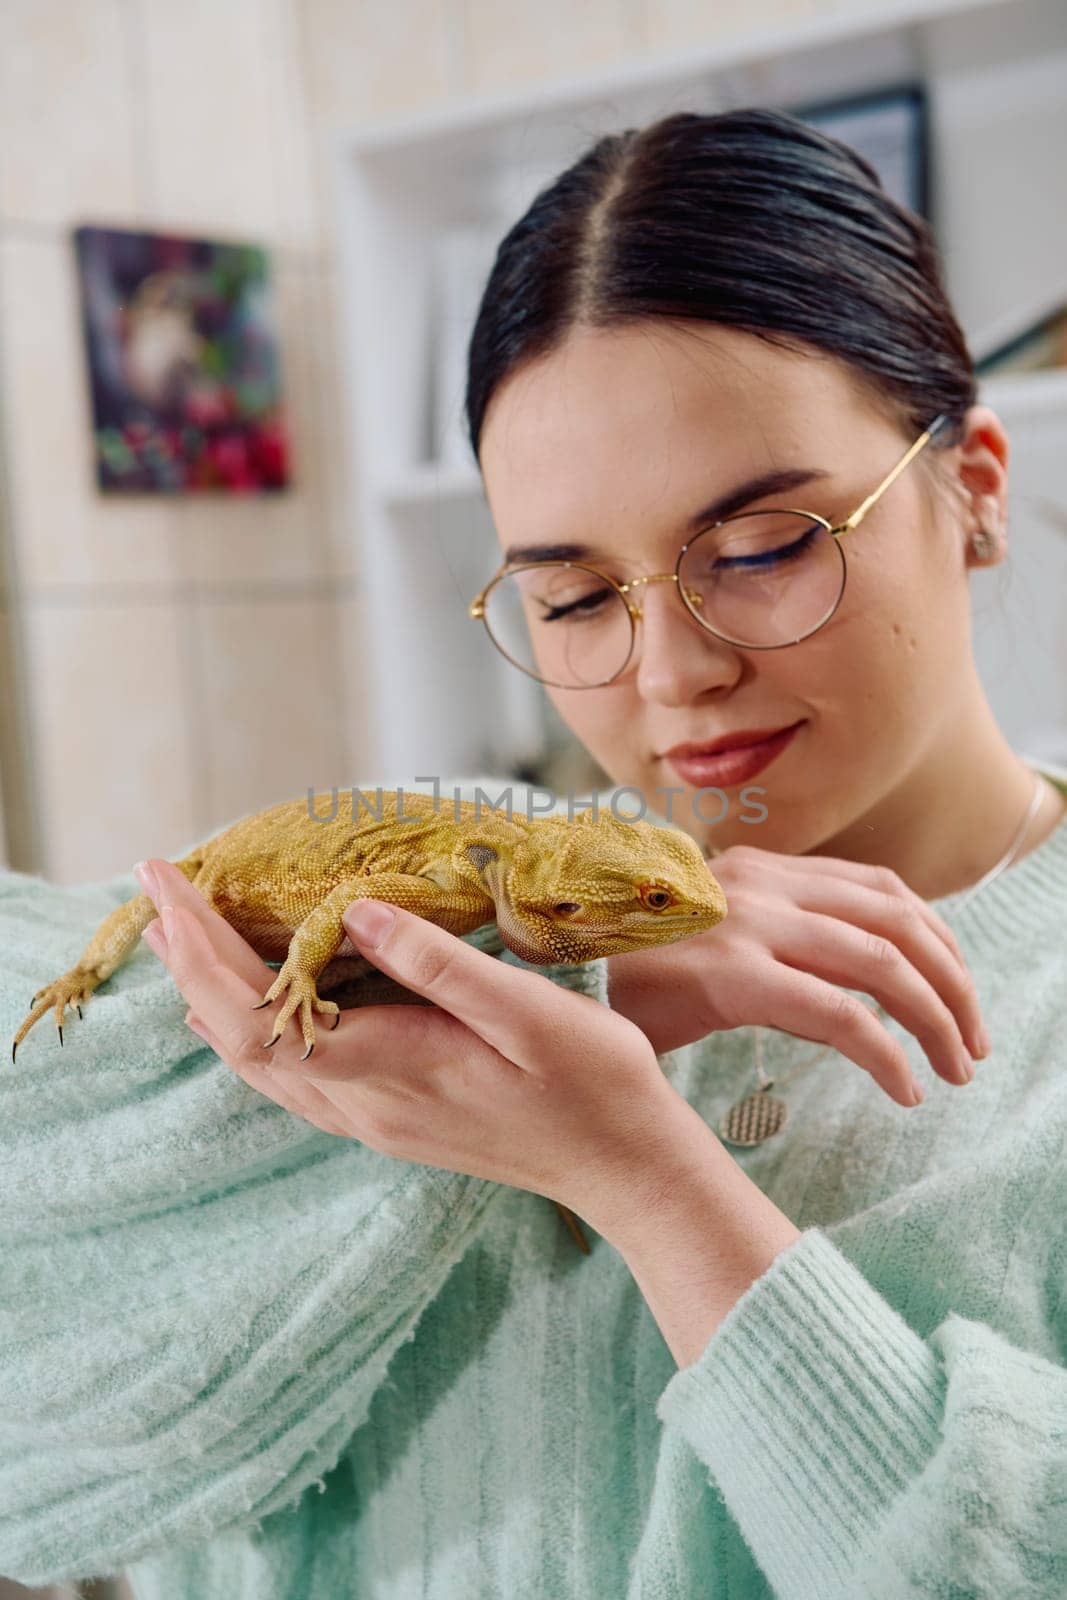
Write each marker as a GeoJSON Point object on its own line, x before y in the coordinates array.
{"type": "Point", "coordinates": [897, 628]}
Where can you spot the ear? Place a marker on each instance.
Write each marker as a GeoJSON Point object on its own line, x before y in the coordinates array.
{"type": "Point", "coordinates": [491, 868]}
{"type": "Point", "coordinates": [480, 855]}
{"type": "Point", "coordinates": [980, 462]}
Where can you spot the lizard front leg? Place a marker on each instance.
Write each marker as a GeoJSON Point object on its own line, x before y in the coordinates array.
{"type": "Point", "coordinates": [318, 937]}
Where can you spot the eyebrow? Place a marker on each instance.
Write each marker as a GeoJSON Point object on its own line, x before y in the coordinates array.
{"type": "Point", "coordinates": [766, 483]}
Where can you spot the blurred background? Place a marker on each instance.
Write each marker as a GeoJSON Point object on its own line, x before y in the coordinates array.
{"type": "Point", "coordinates": [241, 245]}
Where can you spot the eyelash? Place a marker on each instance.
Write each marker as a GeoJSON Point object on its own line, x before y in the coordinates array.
{"type": "Point", "coordinates": [780, 556]}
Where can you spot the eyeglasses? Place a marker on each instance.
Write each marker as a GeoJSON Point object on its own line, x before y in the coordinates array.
{"type": "Point", "coordinates": [759, 579]}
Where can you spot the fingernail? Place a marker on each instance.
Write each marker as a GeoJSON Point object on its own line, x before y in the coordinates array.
{"type": "Point", "coordinates": [147, 879]}
{"type": "Point", "coordinates": [987, 1043]}
{"type": "Point", "coordinates": [916, 1090]}
{"type": "Point", "coordinates": [167, 915]}
{"type": "Point", "coordinates": [369, 921]}
{"type": "Point", "coordinates": [155, 939]}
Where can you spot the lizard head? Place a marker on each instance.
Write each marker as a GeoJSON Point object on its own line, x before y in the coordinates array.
{"type": "Point", "coordinates": [571, 891]}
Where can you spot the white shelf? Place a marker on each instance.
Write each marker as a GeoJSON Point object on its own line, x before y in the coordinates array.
{"type": "Point", "coordinates": [1017, 395]}
{"type": "Point", "coordinates": [462, 124]}
{"type": "Point", "coordinates": [430, 482]}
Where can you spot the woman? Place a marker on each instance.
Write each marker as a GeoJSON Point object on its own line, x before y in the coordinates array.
{"type": "Point", "coordinates": [828, 1362]}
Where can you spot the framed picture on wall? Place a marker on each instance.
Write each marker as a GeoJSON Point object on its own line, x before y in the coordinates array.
{"type": "Point", "coordinates": [889, 127]}
{"type": "Point", "coordinates": [183, 364]}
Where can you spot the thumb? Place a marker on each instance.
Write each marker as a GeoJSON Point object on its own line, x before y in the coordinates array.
{"type": "Point", "coordinates": [504, 1004]}
{"type": "Point", "coordinates": [367, 922]}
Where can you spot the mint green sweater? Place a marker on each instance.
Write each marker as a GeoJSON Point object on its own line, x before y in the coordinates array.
{"type": "Point", "coordinates": [248, 1360]}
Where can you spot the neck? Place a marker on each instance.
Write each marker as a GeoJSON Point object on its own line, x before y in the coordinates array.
{"type": "Point", "coordinates": [956, 812]}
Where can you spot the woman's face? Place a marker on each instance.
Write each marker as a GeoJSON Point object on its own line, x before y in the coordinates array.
{"type": "Point", "coordinates": [616, 439]}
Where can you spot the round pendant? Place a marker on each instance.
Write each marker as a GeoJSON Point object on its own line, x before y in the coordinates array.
{"type": "Point", "coordinates": [754, 1118]}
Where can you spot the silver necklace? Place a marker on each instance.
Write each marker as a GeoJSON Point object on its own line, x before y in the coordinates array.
{"type": "Point", "coordinates": [761, 1114]}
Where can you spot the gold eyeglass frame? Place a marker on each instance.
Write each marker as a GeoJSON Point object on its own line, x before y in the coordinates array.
{"type": "Point", "coordinates": [476, 609]}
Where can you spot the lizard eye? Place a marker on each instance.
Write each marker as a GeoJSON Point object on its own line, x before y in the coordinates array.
{"type": "Point", "coordinates": [563, 908]}
{"type": "Point", "coordinates": [654, 898]}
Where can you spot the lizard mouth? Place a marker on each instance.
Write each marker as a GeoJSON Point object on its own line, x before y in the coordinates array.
{"type": "Point", "coordinates": [522, 938]}
{"type": "Point", "coordinates": [564, 937]}
{"type": "Point", "coordinates": [570, 936]}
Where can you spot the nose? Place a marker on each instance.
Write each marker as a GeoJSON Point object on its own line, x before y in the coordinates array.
{"type": "Point", "coordinates": [678, 660]}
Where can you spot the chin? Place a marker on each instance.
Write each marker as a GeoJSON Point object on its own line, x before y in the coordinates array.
{"type": "Point", "coordinates": [782, 830]}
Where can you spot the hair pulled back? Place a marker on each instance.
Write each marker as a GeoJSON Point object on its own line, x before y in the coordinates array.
{"type": "Point", "coordinates": [747, 218]}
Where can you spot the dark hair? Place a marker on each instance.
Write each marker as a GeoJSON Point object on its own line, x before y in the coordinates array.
{"type": "Point", "coordinates": [749, 218]}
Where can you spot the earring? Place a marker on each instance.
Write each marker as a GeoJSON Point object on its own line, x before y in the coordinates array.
{"type": "Point", "coordinates": [983, 543]}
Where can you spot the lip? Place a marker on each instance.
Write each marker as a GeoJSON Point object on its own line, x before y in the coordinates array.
{"type": "Point", "coordinates": [732, 759]}
{"type": "Point", "coordinates": [727, 741]}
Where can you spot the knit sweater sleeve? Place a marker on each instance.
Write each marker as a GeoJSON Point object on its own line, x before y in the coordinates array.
{"type": "Point", "coordinates": [199, 1291]}
{"type": "Point", "coordinates": [859, 1458]}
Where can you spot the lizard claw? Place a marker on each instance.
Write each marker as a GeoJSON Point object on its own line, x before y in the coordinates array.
{"type": "Point", "coordinates": [69, 990]}
{"type": "Point", "coordinates": [303, 998]}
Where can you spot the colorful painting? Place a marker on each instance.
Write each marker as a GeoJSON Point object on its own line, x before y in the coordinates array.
{"type": "Point", "coordinates": [183, 364]}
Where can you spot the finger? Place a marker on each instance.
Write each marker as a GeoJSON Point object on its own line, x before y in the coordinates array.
{"type": "Point", "coordinates": [230, 948]}
{"type": "Point", "coordinates": [883, 879]}
{"type": "Point", "coordinates": [228, 952]}
{"type": "Point", "coordinates": [221, 1000]}
{"type": "Point", "coordinates": [891, 918]}
{"type": "Point", "coordinates": [857, 959]}
{"type": "Point", "coordinates": [505, 1005]}
{"type": "Point", "coordinates": [811, 1009]}
{"type": "Point", "coordinates": [375, 1043]}
{"type": "Point", "coordinates": [219, 996]}
{"type": "Point", "coordinates": [310, 1104]}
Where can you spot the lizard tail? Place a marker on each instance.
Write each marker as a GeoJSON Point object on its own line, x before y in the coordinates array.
{"type": "Point", "coordinates": [574, 1225]}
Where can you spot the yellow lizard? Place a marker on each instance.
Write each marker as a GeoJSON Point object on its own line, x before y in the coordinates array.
{"type": "Point", "coordinates": [560, 890]}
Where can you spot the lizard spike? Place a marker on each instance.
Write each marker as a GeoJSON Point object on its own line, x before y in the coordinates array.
{"type": "Point", "coordinates": [336, 1022]}
{"type": "Point", "coordinates": [14, 1047]}
{"type": "Point", "coordinates": [59, 1025]}
{"type": "Point", "coordinates": [272, 1041]}
{"type": "Point", "coordinates": [308, 1051]}
{"type": "Point", "coordinates": [259, 1005]}
{"type": "Point", "coordinates": [78, 1009]}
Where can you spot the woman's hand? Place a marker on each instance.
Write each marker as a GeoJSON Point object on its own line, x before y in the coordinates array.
{"type": "Point", "coordinates": [514, 1078]}
{"type": "Point", "coordinates": [797, 927]}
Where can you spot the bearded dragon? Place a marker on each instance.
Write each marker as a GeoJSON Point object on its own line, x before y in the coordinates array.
{"type": "Point", "coordinates": [560, 890]}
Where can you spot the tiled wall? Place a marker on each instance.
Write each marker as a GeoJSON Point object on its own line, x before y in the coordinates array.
{"type": "Point", "coordinates": [179, 654]}
{"type": "Point", "coordinates": [179, 657]}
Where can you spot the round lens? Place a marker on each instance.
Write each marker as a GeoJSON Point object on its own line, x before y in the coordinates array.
{"type": "Point", "coordinates": [561, 623]}
{"type": "Point", "coordinates": [763, 578]}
